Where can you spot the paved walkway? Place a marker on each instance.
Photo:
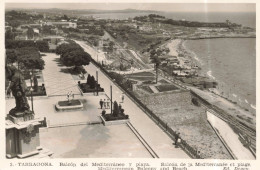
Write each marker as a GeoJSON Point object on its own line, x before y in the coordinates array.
{"type": "Point", "coordinates": [46, 108]}
{"type": "Point", "coordinates": [230, 137]}
{"type": "Point", "coordinates": [154, 135]}
{"type": "Point", "coordinates": [57, 81]}
{"type": "Point", "coordinates": [154, 89]}
{"type": "Point", "coordinates": [93, 141]}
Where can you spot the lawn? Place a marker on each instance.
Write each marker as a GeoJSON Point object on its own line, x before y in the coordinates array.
{"type": "Point", "coordinates": [146, 88]}
{"type": "Point", "coordinates": [142, 74]}
{"type": "Point", "coordinates": [163, 81]}
{"type": "Point", "coordinates": [69, 103]}
{"type": "Point", "coordinates": [163, 88]}
{"type": "Point", "coordinates": [142, 78]}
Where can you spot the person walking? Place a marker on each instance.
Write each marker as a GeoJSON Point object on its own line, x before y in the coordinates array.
{"type": "Point", "coordinates": [108, 104]}
{"type": "Point", "coordinates": [105, 104]}
{"type": "Point", "coordinates": [68, 96]}
{"type": "Point", "coordinates": [122, 97]}
{"type": "Point", "coordinates": [101, 103]}
{"type": "Point", "coordinates": [177, 137]}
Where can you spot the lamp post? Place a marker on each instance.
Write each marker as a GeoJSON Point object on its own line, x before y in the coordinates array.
{"type": "Point", "coordinates": [97, 80]}
{"type": "Point", "coordinates": [31, 74]}
{"type": "Point", "coordinates": [111, 100]}
{"type": "Point", "coordinates": [97, 53]}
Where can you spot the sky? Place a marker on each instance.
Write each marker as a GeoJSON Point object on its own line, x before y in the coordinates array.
{"type": "Point", "coordinates": [169, 7]}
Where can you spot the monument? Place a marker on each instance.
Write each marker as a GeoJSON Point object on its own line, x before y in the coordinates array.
{"type": "Point", "coordinates": [22, 128]}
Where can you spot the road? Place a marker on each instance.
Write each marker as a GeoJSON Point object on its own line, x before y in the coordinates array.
{"type": "Point", "coordinates": [159, 141]}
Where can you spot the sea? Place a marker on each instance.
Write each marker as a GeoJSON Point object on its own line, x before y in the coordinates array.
{"type": "Point", "coordinates": [232, 63]}
{"type": "Point", "coordinates": [229, 61]}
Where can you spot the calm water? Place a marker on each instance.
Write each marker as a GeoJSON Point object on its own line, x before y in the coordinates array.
{"type": "Point", "coordinates": [246, 19]}
{"type": "Point", "coordinates": [232, 63]}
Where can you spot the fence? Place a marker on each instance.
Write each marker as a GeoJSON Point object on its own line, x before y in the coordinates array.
{"type": "Point", "coordinates": [183, 144]}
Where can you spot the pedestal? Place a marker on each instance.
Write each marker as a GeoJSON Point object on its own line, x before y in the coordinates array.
{"type": "Point", "coordinates": [22, 137]}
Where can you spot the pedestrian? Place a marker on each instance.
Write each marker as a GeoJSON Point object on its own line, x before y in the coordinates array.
{"type": "Point", "coordinates": [119, 108]}
{"type": "Point", "coordinates": [198, 153]}
{"type": "Point", "coordinates": [101, 103]}
{"type": "Point", "coordinates": [68, 96]}
{"type": "Point", "coordinates": [105, 104]}
{"type": "Point", "coordinates": [122, 97]}
{"type": "Point", "coordinates": [72, 96]}
{"type": "Point", "coordinates": [177, 137]}
{"type": "Point", "coordinates": [108, 104]}
{"type": "Point", "coordinates": [103, 112]}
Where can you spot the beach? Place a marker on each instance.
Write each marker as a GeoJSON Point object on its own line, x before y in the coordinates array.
{"type": "Point", "coordinates": [231, 63]}
{"type": "Point", "coordinates": [231, 102]}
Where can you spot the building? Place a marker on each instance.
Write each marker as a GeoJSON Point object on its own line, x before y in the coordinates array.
{"type": "Point", "coordinates": [53, 39]}
{"type": "Point", "coordinates": [63, 24]}
{"type": "Point", "coordinates": [21, 37]}
{"type": "Point", "coordinates": [35, 30]}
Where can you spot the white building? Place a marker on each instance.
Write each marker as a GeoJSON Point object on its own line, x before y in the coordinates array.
{"type": "Point", "coordinates": [63, 24]}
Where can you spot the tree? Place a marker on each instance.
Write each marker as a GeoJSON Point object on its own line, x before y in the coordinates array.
{"type": "Point", "coordinates": [73, 55]}
{"type": "Point", "coordinates": [65, 17]}
{"type": "Point", "coordinates": [75, 58]}
{"type": "Point", "coordinates": [89, 79]}
{"type": "Point", "coordinates": [42, 46]}
{"type": "Point", "coordinates": [11, 56]}
{"type": "Point", "coordinates": [64, 48]}
{"type": "Point", "coordinates": [116, 109]}
{"type": "Point", "coordinates": [92, 82]}
{"type": "Point", "coordinates": [30, 33]}
{"type": "Point", "coordinates": [9, 35]}
{"type": "Point", "coordinates": [35, 83]}
{"type": "Point", "coordinates": [156, 61]}
{"type": "Point", "coordinates": [30, 58]}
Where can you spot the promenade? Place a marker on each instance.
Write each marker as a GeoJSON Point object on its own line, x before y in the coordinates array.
{"type": "Point", "coordinates": [158, 140]}
{"type": "Point", "coordinates": [74, 133]}
{"type": "Point", "coordinates": [56, 78]}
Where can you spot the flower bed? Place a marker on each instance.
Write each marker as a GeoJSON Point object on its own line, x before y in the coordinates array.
{"type": "Point", "coordinates": [69, 103]}
{"type": "Point", "coordinates": [85, 88]}
{"type": "Point", "coordinates": [163, 88]}
{"type": "Point", "coordinates": [40, 92]}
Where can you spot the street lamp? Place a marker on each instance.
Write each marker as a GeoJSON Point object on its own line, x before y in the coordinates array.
{"type": "Point", "coordinates": [31, 90]}
{"type": "Point", "coordinates": [97, 53]}
{"type": "Point", "coordinates": [97, 80]}
{"type": "Point", "coordinates": [111, 100]}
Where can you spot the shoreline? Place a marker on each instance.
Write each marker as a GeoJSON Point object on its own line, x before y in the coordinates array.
{"type": "Point", "coordinates": [220, 91]}
{"type": "Point", "coordinates": [199, 38]}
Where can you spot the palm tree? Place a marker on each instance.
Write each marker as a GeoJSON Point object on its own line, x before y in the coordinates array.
{"type": "Point", "coordinates": [156, 61]}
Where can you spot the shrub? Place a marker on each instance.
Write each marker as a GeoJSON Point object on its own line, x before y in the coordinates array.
{"type": "Point", "coordinates": [195, 102]}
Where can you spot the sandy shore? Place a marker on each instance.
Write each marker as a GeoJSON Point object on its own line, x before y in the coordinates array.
{"type": "Point", "coordinates": [177, 48]}
{"type": "Point", "coordinates": [173, 47]}
{"type": "Point", "coordinates": [222, 89]}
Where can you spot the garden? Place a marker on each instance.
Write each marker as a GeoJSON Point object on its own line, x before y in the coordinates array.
{"type": "Point", "coordinates": [117, 114]}
{"type": "Point", "coordinates": [163, 88]}
{"type": "Point", "coordinates": [91, 85]}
